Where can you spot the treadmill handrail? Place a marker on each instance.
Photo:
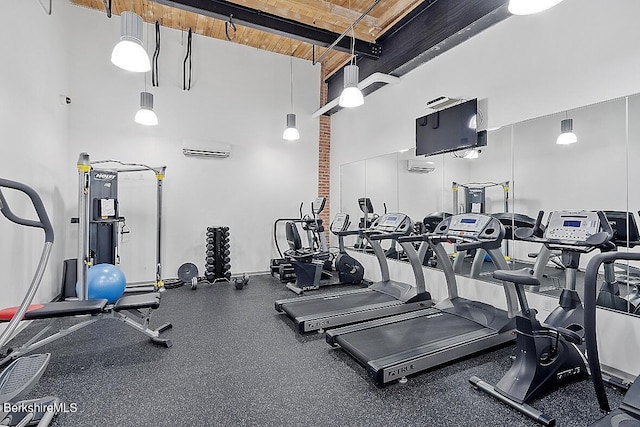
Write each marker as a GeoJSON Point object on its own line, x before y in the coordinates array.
{"type": "Point", "coordinates": [385, 236]}
{"type": "Point", "coordinates": [348, 233]}
{"type": "Point", "coordinates": [591, 343]}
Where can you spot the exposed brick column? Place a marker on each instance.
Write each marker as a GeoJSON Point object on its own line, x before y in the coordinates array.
{"type": "Point", "coordinates": [324, 153]}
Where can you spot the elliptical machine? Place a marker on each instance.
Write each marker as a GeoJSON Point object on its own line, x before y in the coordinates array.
{"type": "Point", "coordinates": [309, 270]}
{"type": "Point", "coordinates": [316, 243]}
{"type": "Point", "coordinates": [550, 353]}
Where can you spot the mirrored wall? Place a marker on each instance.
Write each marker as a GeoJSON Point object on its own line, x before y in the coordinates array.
{"type": "Point", "coordinates": [523, 171]}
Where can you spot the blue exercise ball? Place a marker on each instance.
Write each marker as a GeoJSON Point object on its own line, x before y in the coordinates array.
{"type": "Point", "coordinates": [105, 281]}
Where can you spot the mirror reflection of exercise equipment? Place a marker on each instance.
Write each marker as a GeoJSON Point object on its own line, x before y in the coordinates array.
{"type": "Point", "coordinates": [619, 277]}
{"type": "Point", "coordinates": [475, 202]}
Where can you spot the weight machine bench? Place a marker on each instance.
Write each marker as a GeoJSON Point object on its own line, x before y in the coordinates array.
{"type": "Point", "coordinates": [134, 310]}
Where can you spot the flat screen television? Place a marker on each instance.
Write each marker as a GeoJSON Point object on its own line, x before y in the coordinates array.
{"type": "Point", "coordinates": [451, 129]}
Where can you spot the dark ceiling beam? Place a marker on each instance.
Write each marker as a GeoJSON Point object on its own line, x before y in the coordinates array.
{"type": "Point", "coordinates": [430, 30]}
{"type": "Point", "coordinates": [253, 18]}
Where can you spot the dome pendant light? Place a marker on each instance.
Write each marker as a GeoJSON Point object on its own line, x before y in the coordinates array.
{"type": "Point", "coordinates": [529, 7]}
{"type": "Point", "coordinates": [291, 132]}
{"type": "Point", "coordinates": [145, 115]}
{"type": "Point", "coordinates": [567, 136]}
{"type": "Point", "coordinates": [351, 96]}
{"type": "Point", "coordinates": [129, 54]}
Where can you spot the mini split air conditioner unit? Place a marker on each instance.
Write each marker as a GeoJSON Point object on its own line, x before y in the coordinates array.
{"type": "Point", "coordinates": [441, 102]}
{"type": "Point", "coordinates": [420, 166]}
{"type": "Point", "coordinates": [206, 149]}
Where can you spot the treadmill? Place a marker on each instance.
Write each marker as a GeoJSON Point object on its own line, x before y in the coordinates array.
{"type": "Point", "coordinates": [384, 298]}
{"type": "Point", "coordinates": [395, 347]}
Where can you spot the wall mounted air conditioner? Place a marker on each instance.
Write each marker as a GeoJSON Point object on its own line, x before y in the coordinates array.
{"type": "Point", "coordinates": [420, 166]}
{"type": "Point", "coordinates": [206, 149]}
{"type": "Point", "coordinates": [441, 102]}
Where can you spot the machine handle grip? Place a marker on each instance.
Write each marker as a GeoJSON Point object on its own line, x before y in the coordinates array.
{"type": "Point", "coordinates": [538, 225]}
{"type": "Point", "coordinates": [43, 222]}
{"type": "Point", "coordinates": [605, 225]}
{"type": "Point", "coordinates": [348, 233]}
{"type": "Point", "coordinates": [466, 246]}
{"type": "Point", "coordinates": [524, 233]}
{"type": "Point", "coordinates": [385, 236]}
{"type": "Point", "coordinates": [598, 239]}
{"type": "Point", "coordinates": [414, 238]}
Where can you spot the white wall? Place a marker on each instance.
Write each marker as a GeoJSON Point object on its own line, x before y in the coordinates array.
{"type": "Point", "coordinates": [239, 96]}
{"type": "Point", "coordinates": [578, 53]}
{"type": "Point", "coordinates": [575, 54]}
{"type": "Point", "coordinates": [33, 131]}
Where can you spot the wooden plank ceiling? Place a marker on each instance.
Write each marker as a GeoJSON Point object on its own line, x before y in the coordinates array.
{"type": "Point", "coordinates": [331, 15]}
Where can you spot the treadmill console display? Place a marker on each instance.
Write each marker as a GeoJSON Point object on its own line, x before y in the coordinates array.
{"type": "Point", "coordinates": [572, 226]}
{"type": "Point", "coordinates": [393, 223]}
{"type": "Point", "coordinates": [468, 224]}
{"type": "Point", "coordinates": [340, 223]}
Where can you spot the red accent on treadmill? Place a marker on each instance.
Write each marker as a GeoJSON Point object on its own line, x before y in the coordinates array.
{"type": "Point", "coordinates": [8, 313]}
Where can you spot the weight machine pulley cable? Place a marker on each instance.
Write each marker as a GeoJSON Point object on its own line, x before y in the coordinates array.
{"type": "Point", "coordinates": [187, 57]}
{"type": "Point", "coordinates": [156, 54]}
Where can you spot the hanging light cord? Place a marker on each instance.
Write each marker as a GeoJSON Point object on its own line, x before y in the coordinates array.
{"type": "Point", "coordinates": [353, 47]}
{"type": "Point", "coordinates": [230, 24]}
{"type": "Point", "coordinates": [107, 7]}
{"type": "Point", "coordinates": [187, 57]}
{"type": "Point", "coordinates": [291, 80]}
{"type": "Point", "coordinates": [156, 54]}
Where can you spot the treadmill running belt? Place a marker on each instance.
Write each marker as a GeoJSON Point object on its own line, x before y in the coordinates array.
{"type": "Point", "coordinates": [393, 338]}
{"type": "Point", "coordinates": [343, 302]}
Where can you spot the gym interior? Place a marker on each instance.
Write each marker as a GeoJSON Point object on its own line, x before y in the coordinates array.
{"type": "Point", "coordinates": [488, 281]}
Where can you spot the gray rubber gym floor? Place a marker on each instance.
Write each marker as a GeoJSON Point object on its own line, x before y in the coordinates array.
{"type": "Point", "coordinates": [236, 362]}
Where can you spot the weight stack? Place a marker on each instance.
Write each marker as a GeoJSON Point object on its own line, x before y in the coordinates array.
{"type": "Point", "coordinates": [218, 260]}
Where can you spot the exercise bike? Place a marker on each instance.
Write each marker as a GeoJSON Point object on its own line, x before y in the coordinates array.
{"type": "Point", "coordinates": [350, 271]}
{"type": "Point", "coordinates": [550, 353]}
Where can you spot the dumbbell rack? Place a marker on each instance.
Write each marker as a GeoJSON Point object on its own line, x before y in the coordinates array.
{"type": "Point", "coordinates": [218, 259]}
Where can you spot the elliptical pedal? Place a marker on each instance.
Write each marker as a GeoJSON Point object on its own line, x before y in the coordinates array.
{"type": "Point", "coordinates": [21, 375]}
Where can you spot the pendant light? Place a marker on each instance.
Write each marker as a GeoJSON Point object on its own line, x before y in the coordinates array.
{"type": "Point", "coordinates": [529, 7]}
{"type": "Point", "coordinates": [566, 136]}
{"type": "Point", "coordinates": [129, 54]}
{"type": "Point", "coordinates": [351, 96]}
{"type": "Point", "coordinates": [291, 132]}
{"type": "Point", "coordinates": [145, 115]}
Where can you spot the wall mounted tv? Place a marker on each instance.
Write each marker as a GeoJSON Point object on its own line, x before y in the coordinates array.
{"type": "Point", "coordinates": [447, 130]}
